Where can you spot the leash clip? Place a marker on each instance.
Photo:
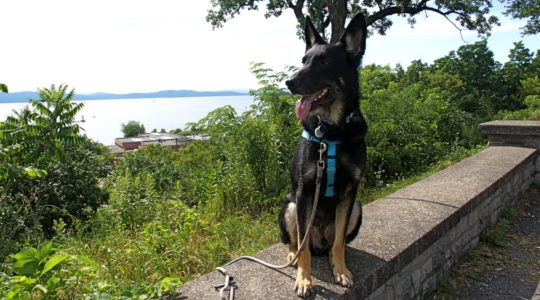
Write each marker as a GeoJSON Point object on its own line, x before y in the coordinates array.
{"type": "Point", "coordinates": [321, 164]}
{"type": "Point", "coordinates": [323, 147]}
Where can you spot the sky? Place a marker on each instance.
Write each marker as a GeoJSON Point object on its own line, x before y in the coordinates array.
{"type": "Point", "coordinates": [122, 46]}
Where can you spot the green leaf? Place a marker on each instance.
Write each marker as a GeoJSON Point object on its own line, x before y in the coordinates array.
{"type": "Point", "coordinates": [25, 254]}
{"type": "Point", "coordinates": [30, 172]}
{"type": "Point", "coordinates": [26, 262]}
{"type": "Point", "coordinates": [54, 261]}
{"type": "Point", "coordinates": [23, 280]}
{"type": "Point", "coordinates": [88, 261]}
{"type": "Point", "coordinates": [44, 251]}
{"type": "Point", "coordinates": [26, 267]}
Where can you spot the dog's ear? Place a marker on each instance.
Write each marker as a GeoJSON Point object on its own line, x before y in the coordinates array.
{"type": "Point", "coordinates": [354, 39]}
{"type": "Point", "coordinates": [311, 35]}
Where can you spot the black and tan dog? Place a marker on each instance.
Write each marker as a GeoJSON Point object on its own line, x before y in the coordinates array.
{"type": "Point", "coordinates": [329, 112]}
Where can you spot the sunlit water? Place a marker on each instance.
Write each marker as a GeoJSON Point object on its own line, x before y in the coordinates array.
{"type": "Point", "coordinates": [103, 118]}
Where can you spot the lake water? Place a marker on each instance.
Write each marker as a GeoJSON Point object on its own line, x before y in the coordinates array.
{"type": "Point", "coordinates": [103, 118]}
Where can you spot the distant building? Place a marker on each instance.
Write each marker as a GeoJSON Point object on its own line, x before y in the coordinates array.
{"type": "Point", "coordinates": [173, 141]}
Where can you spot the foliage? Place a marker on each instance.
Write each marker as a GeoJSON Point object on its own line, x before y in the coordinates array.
{"type": "Point", "coordinates": [50, 273]}
{"type": "Point", "coordinates": [411, 127]}
{"type": "Point", "coordinates": [29, 207]}
{"type": "Point", "coordinates": [530, 89]}
{"type": "Point", "coordinates": [497, 233]}
{"type": "Point", "coordinates": [46, 273]}
{"type": "Point", "coordinates": [471, 15]}
{"type": "Point", "coordinates": [36, 130]}
{"type": "Point", "coordinates": [132, 128]}
{"type": "Point", "coordinates": [44, 127]}
{"type": "Point", "coordinates": [526, 9]}
{"type": "Point", "coordinates": [153, 161]}
{"type": "Point", "coordinates": [65, 173]}
{"type": "Point", "coordinates": [170, 238]}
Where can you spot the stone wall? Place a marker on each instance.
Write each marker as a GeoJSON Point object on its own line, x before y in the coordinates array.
{"type": "Point", "coordinates": [409, 240]}
{"type": "Point", "coordinates": [427, 270]}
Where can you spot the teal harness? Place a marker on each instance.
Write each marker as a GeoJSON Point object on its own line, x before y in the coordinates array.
{"type": "Point", "coordinates": [331, 165]}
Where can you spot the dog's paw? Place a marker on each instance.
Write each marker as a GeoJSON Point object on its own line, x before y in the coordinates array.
{"type": "Point", "coordinates": [302, 286]}
{"type": "Point", "coordinates": [343, 276]}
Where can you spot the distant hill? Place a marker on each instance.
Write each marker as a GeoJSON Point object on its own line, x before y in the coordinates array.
{"type": "Point", "coordinates": [25, 96]}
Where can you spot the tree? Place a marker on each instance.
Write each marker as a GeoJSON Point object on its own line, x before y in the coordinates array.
{"type": "Point", "coordinates": [3, 88]}
{"type": "Point", "coordinates": [54, 116]}
{"type": "Point", "coordinates": [526, 9]}
{"type": "Point", "coordinates": [471, 15]}
{"type": "Point", "coordinates": [516, 69]}
{"type": "Point", "coordinates": [39, 130]}
{"type": "Point", "coordinates": [132, 128]}
{"type": "Point", "coordinates": [66, 167]}
{"type": "Point", "coordinates": [476, 67]}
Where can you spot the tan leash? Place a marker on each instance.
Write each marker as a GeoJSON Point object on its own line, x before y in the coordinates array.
{"type": "Point", "coordinates": [230, 284]}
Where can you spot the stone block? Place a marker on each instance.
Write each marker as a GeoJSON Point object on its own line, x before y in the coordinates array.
{"type": "Point", "coordinates": [512, 133]}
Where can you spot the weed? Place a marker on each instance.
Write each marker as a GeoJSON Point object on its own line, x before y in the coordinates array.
{"type": "Point", "coordinates": [496, 234]}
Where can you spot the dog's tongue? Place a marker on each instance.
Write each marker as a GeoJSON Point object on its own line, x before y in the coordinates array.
{"type": "Point", "coordinates": [303, 106]}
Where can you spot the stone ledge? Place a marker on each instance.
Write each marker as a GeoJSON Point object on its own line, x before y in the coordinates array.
{"type": "Point", "coordinates": [409, 239]}
{"type": "Point", "coordinates": [511, 127]}
{"type": "Point", "coordinates": [512, 133]}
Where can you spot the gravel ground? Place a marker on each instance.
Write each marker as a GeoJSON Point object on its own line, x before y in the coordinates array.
{"type": "Point", "coordinates": [506, 264]}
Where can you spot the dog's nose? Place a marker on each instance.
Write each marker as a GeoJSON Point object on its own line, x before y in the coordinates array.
{"type": "Point", "coordinates": [291, 83]}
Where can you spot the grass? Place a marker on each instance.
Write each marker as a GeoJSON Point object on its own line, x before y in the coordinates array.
{"type": "Point", "coordinates": [175, 247]}
{"type": "Point", "coordinates": [496, 234]}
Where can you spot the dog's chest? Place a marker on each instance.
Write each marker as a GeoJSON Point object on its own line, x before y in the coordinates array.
{"type": "Point", "coordinates": [347, 167]}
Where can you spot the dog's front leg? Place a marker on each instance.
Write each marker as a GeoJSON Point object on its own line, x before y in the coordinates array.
{"type": "Point", "coordinates": [337, 256]}
{"type": "Point", "coordinates": [303, 276]}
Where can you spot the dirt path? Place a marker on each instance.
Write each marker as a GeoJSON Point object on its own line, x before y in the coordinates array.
{"type": "Point", "coordinates": [506, 263]}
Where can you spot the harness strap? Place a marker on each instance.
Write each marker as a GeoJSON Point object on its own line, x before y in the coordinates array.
{"type": "Point", "coordinates": [331, 165]}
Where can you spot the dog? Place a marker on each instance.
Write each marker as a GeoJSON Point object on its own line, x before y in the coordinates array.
{"type": "Point", "coordinates": [329, 111]}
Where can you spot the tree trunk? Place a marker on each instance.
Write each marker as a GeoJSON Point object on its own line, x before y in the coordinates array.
{"type": "Point", "coordinates": [337, 11]}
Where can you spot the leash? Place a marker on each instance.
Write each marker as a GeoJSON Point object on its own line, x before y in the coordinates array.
{"type": "Point", "coordinates": [230, 284]}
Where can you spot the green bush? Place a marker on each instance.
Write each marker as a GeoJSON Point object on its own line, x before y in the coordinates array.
{"type": "Point", "coordinates": [68, 168]}
{"type": "Point", "coordinates": [46, 273]}
{"type": "Point", "coordinates": [70, 191]}
{"type": "Point", "coordinates": [51, 273]}
{"type": "Point", "coordinates": [411, 126]}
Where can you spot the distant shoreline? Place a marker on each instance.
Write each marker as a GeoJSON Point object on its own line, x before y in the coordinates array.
{"type": "Point", "coordinates": [22, 97]}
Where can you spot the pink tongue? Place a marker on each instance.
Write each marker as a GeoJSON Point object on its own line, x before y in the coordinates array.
{"type": "Point", "coordinates": [303, 106]}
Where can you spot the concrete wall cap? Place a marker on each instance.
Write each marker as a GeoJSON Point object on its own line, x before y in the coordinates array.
{"type": "Point", "coordinates": [510, 127]}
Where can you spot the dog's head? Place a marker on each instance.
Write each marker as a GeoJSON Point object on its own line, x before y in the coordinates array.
{"type": "Point", "coordinates": [329, 72]}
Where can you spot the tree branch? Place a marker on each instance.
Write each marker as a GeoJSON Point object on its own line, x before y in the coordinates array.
{"type": "Point", "coordinates": [297, 8]}
{"type": "Point", "coordinates": [421, 6]}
